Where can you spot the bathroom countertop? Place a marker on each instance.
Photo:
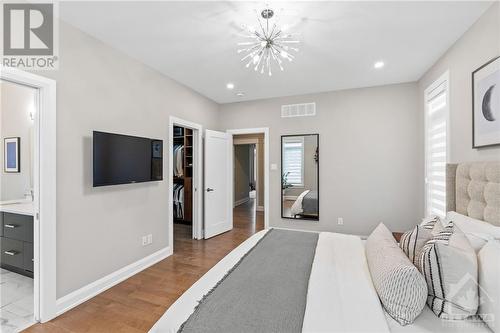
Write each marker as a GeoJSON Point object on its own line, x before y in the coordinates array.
{"type": "Point", "coordinates": [22, 208]}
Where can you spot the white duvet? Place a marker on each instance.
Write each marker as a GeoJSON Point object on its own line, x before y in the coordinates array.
{"type": "Point", "coordinates": [341, 296]}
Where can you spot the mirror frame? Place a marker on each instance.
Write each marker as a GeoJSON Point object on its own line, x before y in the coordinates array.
{"type": "Point", "coordinates": [312, 219]}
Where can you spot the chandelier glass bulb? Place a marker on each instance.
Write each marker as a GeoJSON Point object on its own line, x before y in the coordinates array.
{"type": "Point", "coordinates": [267, 45]}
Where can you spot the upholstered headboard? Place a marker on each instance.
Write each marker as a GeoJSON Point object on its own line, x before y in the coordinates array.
{"type": "Point", "coordinates": [473, 189]}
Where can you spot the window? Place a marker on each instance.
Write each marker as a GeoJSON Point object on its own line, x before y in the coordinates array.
{"type": "Point", "coordinates": [293, 160]}
{"type": "Point", "coordinates": [436, 128]}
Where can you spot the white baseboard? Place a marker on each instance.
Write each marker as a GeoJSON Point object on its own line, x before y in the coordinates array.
{"type": "Point", "coordinates": [260, 208]}
{"type": "Point", "coordinates": [85, 293]}
{"type": "Point", "coordinates": [290, 197]}
{"type": "Point", "coordinates": [241, 201]}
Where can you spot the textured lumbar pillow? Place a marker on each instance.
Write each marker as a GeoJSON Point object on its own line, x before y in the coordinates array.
{"type": "Point", "coordinates": [400, 286]}
{"type": "Point", "coordinates": [489, 286]}
{"type": "Point", "coordinates": [414, 240]}
{"type": "Point", "coordinates": [449, 265]}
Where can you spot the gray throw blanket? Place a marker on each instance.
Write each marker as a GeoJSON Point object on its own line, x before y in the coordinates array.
{"type": "Point", "coordinates": [266, 290]}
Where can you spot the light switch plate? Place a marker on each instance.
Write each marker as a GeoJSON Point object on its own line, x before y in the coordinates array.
{"type": "Point", "coordinates": [274, 166]}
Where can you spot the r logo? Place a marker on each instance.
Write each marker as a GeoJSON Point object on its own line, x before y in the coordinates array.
{"type": "Point", "coordinates": [28, 29]}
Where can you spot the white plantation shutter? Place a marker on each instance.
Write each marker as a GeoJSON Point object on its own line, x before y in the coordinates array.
{"type": "Point", "coordinates": [293, 161]}
{"type": "Point", "coordinates": [436, 125]}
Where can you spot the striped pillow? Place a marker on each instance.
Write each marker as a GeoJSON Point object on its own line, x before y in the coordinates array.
{"type": "Point", "coordinates": [399, 285]}
{"type": "Point", "coordinates": [414, 240]}
{"type": "Point", "coordinates": [449, 265]}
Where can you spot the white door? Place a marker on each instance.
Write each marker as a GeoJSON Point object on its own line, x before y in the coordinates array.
{"type": "Point", "coordinates": [218, 191]}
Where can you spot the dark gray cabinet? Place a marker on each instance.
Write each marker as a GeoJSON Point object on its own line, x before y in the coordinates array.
{"type": "Point", "coordinates": [16, 243]}
{"type": "Point", "coordinates": [28, 256]}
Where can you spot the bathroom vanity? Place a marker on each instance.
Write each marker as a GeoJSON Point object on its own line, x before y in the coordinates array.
{"type": "Point", "coordinates": [16, 237]}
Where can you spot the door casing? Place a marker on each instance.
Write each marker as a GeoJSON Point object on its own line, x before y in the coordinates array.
{"type": "Point", "coordinates": [265, 131]}
{"type": "Point", "coordinates": [197, 177]}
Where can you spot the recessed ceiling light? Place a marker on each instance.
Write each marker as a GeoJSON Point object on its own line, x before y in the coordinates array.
{"type": "Point", "coordinates": [240, 94]}
{"type": "Point", "coordinates": [379, 64]}
{"type": "Point", "coordinates": [230, 86]}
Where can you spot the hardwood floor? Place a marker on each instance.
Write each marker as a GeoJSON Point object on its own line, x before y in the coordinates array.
{"type": "Point", "coordinates": [138, 302]}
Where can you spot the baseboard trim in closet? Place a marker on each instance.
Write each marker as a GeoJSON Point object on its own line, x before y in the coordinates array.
{"type": "Point", "coordinates": [260, 208]}
{"type": "Point", "coordinates": [85, 293]}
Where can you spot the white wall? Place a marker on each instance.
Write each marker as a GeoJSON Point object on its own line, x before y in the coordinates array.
{"type": "Point", "coordinates": [16, 104]}
{"type": "Point", "coordinates": [99, 230]}
{"type": "Point", "coordinates": [477, 46]}
{"type": "Point", "coordinates": [371, 155]}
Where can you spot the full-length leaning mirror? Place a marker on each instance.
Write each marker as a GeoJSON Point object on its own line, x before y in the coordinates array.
{"type": "Point", "coordinates": [300, 177]}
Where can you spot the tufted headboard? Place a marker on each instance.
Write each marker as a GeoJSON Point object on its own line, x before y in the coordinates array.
{"type": "Point", "coordinates": [473, 189]}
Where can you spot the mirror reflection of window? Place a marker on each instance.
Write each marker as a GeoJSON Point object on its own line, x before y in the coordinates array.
{"type": "Point", "coordinates": [299, 171]}
{"type": "Point", "coordinates": [293, 161]}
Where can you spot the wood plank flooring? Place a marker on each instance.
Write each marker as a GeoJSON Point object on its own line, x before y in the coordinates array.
{"type": "Point", "coordinates": [138, 302]}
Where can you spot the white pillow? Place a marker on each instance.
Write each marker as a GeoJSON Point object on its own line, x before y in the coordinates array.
{"type": "Point", "coordinates": [489, 285]}
{"type": "Point", "coordinates": [399, 285]}
{"type": "Point", "coordinates": [449, 265]}
{"type": "Point", "coordinates": [478, 232]}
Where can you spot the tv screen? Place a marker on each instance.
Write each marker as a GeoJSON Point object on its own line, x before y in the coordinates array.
{"type": "Point", "coordinates": [124, 159]}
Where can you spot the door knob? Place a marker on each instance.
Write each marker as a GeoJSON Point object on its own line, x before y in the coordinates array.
{"type": "Point", "coordinates": [210, 189]}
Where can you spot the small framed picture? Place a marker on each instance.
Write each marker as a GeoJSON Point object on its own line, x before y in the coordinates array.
{"type": "Point", "coordinates": [11, 155]}
{"type": "Point", "coordinates": [486, 105]}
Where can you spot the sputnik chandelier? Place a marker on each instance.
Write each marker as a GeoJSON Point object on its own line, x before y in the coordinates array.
{"type": "Point", "coordinates": [267, 45]}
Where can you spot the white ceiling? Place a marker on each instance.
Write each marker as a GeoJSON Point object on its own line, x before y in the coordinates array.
{"type": "Point", "coordinates": [195, 42]}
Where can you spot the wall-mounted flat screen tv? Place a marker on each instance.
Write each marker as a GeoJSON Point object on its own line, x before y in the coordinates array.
{"type": "Point", "coordinates": [125, 159]}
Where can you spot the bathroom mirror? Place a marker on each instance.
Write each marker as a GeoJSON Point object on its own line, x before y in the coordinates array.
{"type": "Point", "coordinates": [300, 177]}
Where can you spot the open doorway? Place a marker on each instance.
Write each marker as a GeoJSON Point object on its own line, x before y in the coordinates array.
{"type": "Point", "coordinates": [185, 181]}
{"type": "Point", "coordinates": [17, 209]}
{"type": "Point", "coordinates": [248, 180]}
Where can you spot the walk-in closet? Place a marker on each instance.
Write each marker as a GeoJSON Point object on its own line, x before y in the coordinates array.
{"type": "Point", "coordinates": [183, 175]}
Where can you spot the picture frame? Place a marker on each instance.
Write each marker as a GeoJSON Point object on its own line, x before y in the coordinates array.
{"type": "Point", "coordinates": [486, 105]}
{"type": "Point", "coordinates": [12, 155]}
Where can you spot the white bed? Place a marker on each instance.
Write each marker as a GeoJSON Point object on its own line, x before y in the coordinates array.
{"type": "Point", "coordinates": [340, 293]}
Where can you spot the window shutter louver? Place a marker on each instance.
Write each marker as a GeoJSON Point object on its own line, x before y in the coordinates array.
{"type": "Point", "coordinates": [436, 117]}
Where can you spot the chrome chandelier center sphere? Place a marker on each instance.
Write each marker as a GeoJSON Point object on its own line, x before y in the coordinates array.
{"type": "Point", "coordinates": [267, 13]}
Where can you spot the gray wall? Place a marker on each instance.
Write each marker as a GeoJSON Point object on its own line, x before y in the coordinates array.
{"type": "Point", "coordinates": [477, 46]}
{"type": "Point", "coordinates": [99, 230]}
{"type": "Point", "coordinates": [370, 154]}
{"type": "Point", "coordinates": [241, 172]}
{"type": "Point", "coordinates": [16, 103]}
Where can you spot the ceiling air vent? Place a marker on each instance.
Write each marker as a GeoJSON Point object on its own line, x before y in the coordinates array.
{"type": "Point", "coordinates": [298, 110]}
